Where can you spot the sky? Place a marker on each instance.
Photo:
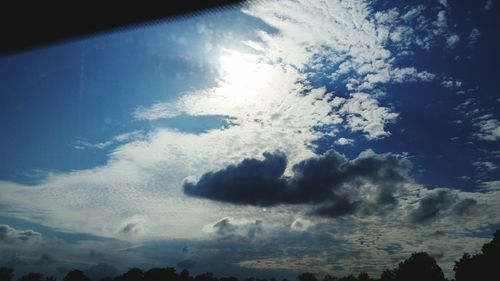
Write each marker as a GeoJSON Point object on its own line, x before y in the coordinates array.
{"type": "Point", "coordinates": [265, 139]}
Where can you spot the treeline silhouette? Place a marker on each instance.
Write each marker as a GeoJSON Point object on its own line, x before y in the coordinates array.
{"type": "Point", "coordinates": [484, 266]}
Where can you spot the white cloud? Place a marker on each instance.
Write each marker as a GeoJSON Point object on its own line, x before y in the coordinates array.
{"type": "Point", "coordinates": [363, 113]}
{"type": "Point", "coordinates": [489, 130]}
{"type": "Point", "coordinates": [156, 111]}
{"type": "Point", "coordinates": [451, 83]}
{"type": "Point", "coordinates": [466, 104]}
{"type": "Point", "coordinates": [302, 224]}
{"type": "Point", "coordinates": [12, 237]}
{"type": "Point", "coordinates": [123, 138]}
{"type": "Point", "coordinates": [485, 165]}
{"type": "Point", "coordinates": [413, 13]}
{"type": "Point", "coordinates": [452, 40]}
{"type": "Point", "coordinates": [400, 75]}
{"type": "Point", "coordinates": [344, 141]}
{"type": "Point", "coordinates": [339, 31]}
{"type": "Point", "coordinates": [442, 20]}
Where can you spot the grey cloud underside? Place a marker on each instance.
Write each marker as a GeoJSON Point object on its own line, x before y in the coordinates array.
{"type": "Point", "coordinates": [334, 185]}
{"type": "Point", "coordinates": [225, 229]}
{"type": "Point", "coordinates": [439, 203]}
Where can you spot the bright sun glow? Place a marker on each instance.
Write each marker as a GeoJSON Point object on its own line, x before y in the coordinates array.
{"type": "Point", "coordinates": [241, 74]}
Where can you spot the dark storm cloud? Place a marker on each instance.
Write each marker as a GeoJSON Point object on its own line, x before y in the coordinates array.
{"type": "Point", "coordinates": [252, 182]}
{"type": "Point", "coordinates": [440, 203]}
{"type": "Point", "coordinates": [337, 208]}
{"type": "Point", "coordinates": [464, 207]}
{"type": "Point", "coordinates": [433, 205]}
{"type": "Point", "coordinates": [131, 228]}
{"type": "Point", "coordinates": [330, 182]}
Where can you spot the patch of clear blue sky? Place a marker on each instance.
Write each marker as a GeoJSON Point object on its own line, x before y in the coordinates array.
{"type": "Point", "coordinates": [87, 89]}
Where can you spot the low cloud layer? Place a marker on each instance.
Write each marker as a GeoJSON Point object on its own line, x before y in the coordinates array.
{"type": "Point", "coordinates": [9, 235]}
{"type": "Point", "coordinates": [333, 184]}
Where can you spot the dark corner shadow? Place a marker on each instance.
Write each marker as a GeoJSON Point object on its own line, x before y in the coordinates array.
{"type": "Point", "coordinates": [26, 26]}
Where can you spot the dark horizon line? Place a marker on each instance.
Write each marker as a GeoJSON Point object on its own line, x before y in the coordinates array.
{"type": "Point", "coordinates": [419, 266]}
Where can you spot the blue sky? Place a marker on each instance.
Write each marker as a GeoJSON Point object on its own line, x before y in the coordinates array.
{"type": "Point", "coordinates": [201, 132]}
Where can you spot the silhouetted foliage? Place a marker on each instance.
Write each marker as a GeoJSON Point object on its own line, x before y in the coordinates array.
{"type": "Point", "coordinates": [328, 277]}
{"type": "Point", "coordinates": [388, 275]}
{"type": "Point", "coordinates": [231, 278]}
{"type": "Point", "coordinates": [207, 276]}
{"type": "Point", "coordinates": [484, 266]}
{"type": "Point", "coordinates": [6, 273]}
{"type": "Point", "coordinates": [184, 276]}
{"type": "Point", "coordinates": [348, 278]}
{"type": "Point", "coordinates": [76, 275]}
{"type": "Point", "coordinates": [155, 274]}
{"type": "Point", "coordinates": [420, 266]}
{"type": "Point", "coordinates": [307, 277]}
{"type": "Point", "coordinates": [31, 277]}
{"type": "Point", "coordinates": [363, 276]}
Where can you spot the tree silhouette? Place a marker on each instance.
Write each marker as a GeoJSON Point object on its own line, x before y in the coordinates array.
{"type": "Point", "coordinates": [484, 266]}
{"type": "Point", "coordinates": [388, 275]}
{"type": "Point", "coordinates": [348, 278]}
{"type": "Point", "coordinates": [6, 273]}
{"type": "Point", "coordinates": [134, 274]}
{"type": "Point", "coordinates": [76, 275]}
{"type": "Point", "coordinates": [231, 278]}
{"type": "Point", "coordinates": [328, 277]}
{"type": "Point", "coordinates": [307, 277]}
{"type": "Point", "coordinates": [207, 276]}
{"type": "Point", "coordinates": [155, 274]}
{"type": "Point", "coordinates": [31, 277]}
{"type": "Point", "coordinates": [363, 276]}
{"type": "Point", "coordinates": [420, 266]}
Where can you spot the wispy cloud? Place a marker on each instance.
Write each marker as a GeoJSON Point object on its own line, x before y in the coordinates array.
{"type": "Point", "coordinates": [488, 5]}
{"type": "Point", "coordinates": [489, 130]}
{"type": "Point", "coordinates": [123, 138]}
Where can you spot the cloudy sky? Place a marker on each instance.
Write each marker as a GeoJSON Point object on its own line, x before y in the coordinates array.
{"type": "Point", "coordinates": [262, 140]}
